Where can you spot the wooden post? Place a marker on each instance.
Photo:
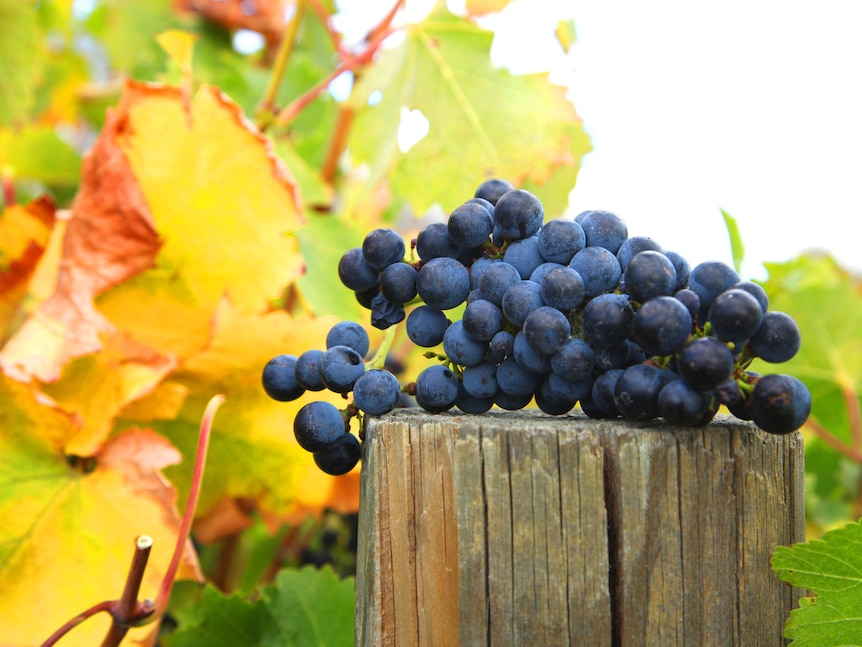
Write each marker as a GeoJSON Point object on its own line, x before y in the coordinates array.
{"type": "Point", "coordinates": [516, 528]}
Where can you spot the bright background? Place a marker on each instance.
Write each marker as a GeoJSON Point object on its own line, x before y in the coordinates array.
{"type": "Point", "coordinates": [753, 107]}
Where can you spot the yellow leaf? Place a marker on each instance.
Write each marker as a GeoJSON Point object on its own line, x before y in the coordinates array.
{"type": "Point", "coordinates": [179, 45]}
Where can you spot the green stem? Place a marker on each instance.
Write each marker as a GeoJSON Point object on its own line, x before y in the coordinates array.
{"type": "Point", "coordinates": [379, 358]}
{"type": "Point", "coordinates": [285, 49]}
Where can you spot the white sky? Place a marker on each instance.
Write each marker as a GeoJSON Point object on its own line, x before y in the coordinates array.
{"type": "Point", "coordinates": [754, 107]}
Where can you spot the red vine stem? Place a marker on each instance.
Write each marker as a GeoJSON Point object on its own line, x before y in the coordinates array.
{"type": "Point", "coordinates": [348, 64]}
{"type": "Point", "coordinates": [191, 504]}
{"type": "Point", "coordinates": [78, 619]}
{"type": "Point", "coordinates": [833, 441]}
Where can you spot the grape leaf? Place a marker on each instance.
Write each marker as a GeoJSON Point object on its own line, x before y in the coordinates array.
{"type": "Point", "coordinates": [67, 528]}
{"type": "Point", "coordinates": [21, 60]}
{"type": "Point", "coordinates": [737, 249]}
{"type": "Point", "coordinates": [302, 607]}
{"type": "Point", "coordinates": [38, 153]}
{"type": "Point", "coordinates": [483, 121]}
{"type": "Point", "coordinates": [830, 567]}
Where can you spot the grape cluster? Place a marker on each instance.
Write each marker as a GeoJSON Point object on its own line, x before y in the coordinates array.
{"type": "Point", "coordinates": [559, 313]}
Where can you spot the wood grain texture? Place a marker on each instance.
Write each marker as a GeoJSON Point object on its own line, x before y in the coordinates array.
{"type": "Point", "coordinates": [516, 528]}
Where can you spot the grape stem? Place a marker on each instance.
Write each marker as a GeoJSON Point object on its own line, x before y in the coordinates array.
{"type": "Point", "coordinates": [285, 49]}
{"type": "Point", "coordinates": [379, 358]}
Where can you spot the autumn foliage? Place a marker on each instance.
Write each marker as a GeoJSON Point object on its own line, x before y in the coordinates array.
{"type": "Point", "coordinates": [170, 223]}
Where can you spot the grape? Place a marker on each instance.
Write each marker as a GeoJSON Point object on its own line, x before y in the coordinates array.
{"type": "Point", "coordinates": [433, 241]}
{"type": "Point", "coordinates": [482, 320]}
{"type": "Point", "coordinates": [460, 349]}
{"type": "Point", "coordinates": [470, 403]}
{"type": "Point", "coordinates": [318, 425]}
{"type": "Point", "coordinates": [681, 267]}
{"type": "Point", "coordinates": [385, 313]}
{"type": "Point", "coordinates": [528, 356]}
{"type": "Point", "coordinates": [524, 255]}
{"type": "Point", "coordinates": [398, 282]}
{"type": "Point", "coordinates": [279, 379]}
{"type": "Point", "coordinates": [661, 326]}
{"type": "Point", "coordinates": [563, 289]}
{"type": "Point", "coordinates": [308, 370]}
{"type": "Point", "coordinates": [636, 391]}
{"type": "Point", "coordinates": [542, 271]}
{"type": "Point", "coordinates": [574, 361]}
{"type": "Point", "coordinates": [546, 329]}
{"type": "Point", "coordinates": [483, 203]}
{"type": "Point", "coordinates": [708, 280]}
{"type": "Point", "coordinates": [599, 269]}
{"type": "Point", "coordinates": [376, 392]}
{"type": "Point", "coordinates": [602, 394]}
{"type": "Point", "coordinates": [555, 405]}
{"type": "Point", "coordinates": [443, 283]}
{"type": "Point", "coordinates": [603, 229]}
{"type": "Point", "coordinates": [426, 325]}
{"type": "Point", "coordinates": [436, 388]}
{"type": "Point", "coordinates": [355, 272]}
{"type": "Point", "coordinates": [366, 297]}
{"type": "Point", "coordinates": [340, 367]}
{"type": "Point", "coordinates": [607, 320]}
{"type": "Point", "coordinates": [633, 246]}
{"type": "Point", "coordinates": [480, 380]}
{"type": "Point", "coordinates": [735, 315]}
{"type": "Point", "coordinates": [349, 333]}
{"type": "Point", "coordinates": [512, 402]}
{"type": "Point", "coordinates": [705, 363]}
{"type": "Point", "coordinates": [567, 389]}
{"type": "Point", "coordinates": [477, 268]}
{"type": "Point", "coordinates": [690, 300]}
{"type": "Point", "coordinates": [648, 275]}
{"type": "Point", "coordinates": [560, 240]}
{"type": "Point", "coordinates": [756, 291]}
{"type": "Point", "coordinates": [615, 356]}
{"type": "Point", "coordinates": [779, 403]}
{"type": "Point", "coordinates": [470, 225]}
{"type": "Point", "coordinates": [518, 214]}
{"type": "Point", "coordinates": [496, 279]}
{"type": "Point", "coordinates": [513, 379]}
{"type": "Point", "coordinates": [502, 346]}
{"type": "Point", "coordinates": [521, 299]}
{"type": "Point", "coordinates": [681, 404]}
{"type": "Point", "coordinates": [777, 339]}
{"type": "Point", "coordinates": [493, 189]}
{"type": "Point", "coordinates": [341, 457]}
{"type": "Point", "coordinates": [382, 247]}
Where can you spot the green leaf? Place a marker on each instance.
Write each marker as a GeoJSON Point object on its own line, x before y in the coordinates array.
{"type": "Point", "coordinates": [483, 121]}
{"type": "Point", "coordinates": [20, 59]}
{"type": "Point", "coordinates": [302, 607]}
{"type": "Point", "coordinates": [566, 34]}
{"type": "Point", "coordinates": [37, 153]}
{"type": "Point", "coordinates": [737, 249]}
{"type": "Point", "coordinates": [830, 567]}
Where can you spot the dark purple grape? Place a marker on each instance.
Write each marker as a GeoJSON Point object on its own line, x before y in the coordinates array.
{"type": "Point", "coordinates": [470, 225]}
{"type": "Point", "coordinates": [560, 240]}
{"type": "Point", "coordinates": [633, 246]}
{"type": "Point", "coordinates": [385, 313]}
{"type": "Point", "coordinates": [470, 403]}
{"type": "Point", "coordinates": [546, 329]}
{"type": "Point", "coordinates": [496, 278]}
{"type": "Point", "coordinates": [491, 190]}
{"type": "Point", "coordinates": [502, 346]}
{"type": "Point", "coordinates": [480, 380]}
{"type": "Point", "coordinates": [648, 275]}
{"type": "Point", "coordinates": [690, 300]}
{"type": "Point", "coordinates": [341, 457]}
{"type": "Point", "coordinates": [355, 272]}
{"type": "Point", "coordinates": [602, 394]}
{"type": "Point", "coordinates": [318, 425]}
{"type": "Point", "coordinates": [515, 380]}
{"type": "Point", "coordinates": [482, 320]}
{"type": "Point", "coordinates": [528, 357]}
{"type": "Point", "coordinates": [426, 326]}
{"type": "Point", "coordinates": [521, 299]}
{"type": "Point", "coordinates": [682, 269]}
{"type": "Point", "coordinates": [681, 404]}
{"type": "Point", "coordinates": [376, 392]}
{"type": "Point", "coordinates": [756, 291]}
{"type": "Point", "coordinates": [349, 333]}
{"type": "Point", "coordinates": [779, 403]}
{"type": "Point", "coordinates": [555, 405]}
{"type": "Point", "coordinates": [524, 255]}
{"type": "Point", "coordinates": [574, 361]}
{"type": "Point", "coordinates": [433, 241]}
{"type": "Point", "coordinates": [636, 391]}
{"type": "Point", "coordinates": [661, 326]}
{"type": "Point", "coordinates": [603, 229]}
{"type": "Point", "coordinates": [443, 283]}
{"type": "Point", "coordinates": [563, 289]}
{"type": "Point", "coordinates": [436, 388]}
{"type": "Point", "coordinates": [518, 214]}
{"type": "Point", "coordinates": [540, 272]}
{"type": "Point", "coordinates": [461, 349]}
{"type": "Point", "coordinates": [599, 269]}
{"type": "Point", "coordinates": [308, 370]}
{"type": "Point", "coordinates": [705, 363]}
{"type": "Point", "coordinates": [398, 282]}
{"type": "Point", "coordinates": [607, 320]}
{"type": "Point", "coordinates": [708, 280]}
{"type": "Point", "coordinates": [279, 379]}
{"type": "Point", "coordinates": [778, 339]}
{"type": "Point", "coordinates": [735, 315]}
{"type": "Point", "coordinates": [382, 247]}
{"type": "Point", "coordinates": [340, 367]}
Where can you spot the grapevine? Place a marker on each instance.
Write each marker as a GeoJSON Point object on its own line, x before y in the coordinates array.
{"type": "Point", "coordinates": [564, 313]}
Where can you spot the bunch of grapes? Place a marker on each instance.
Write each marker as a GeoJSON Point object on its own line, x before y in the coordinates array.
{"type": "Point", "coordinates": [559, 313]}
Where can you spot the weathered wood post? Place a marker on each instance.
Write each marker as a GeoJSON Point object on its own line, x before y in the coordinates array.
{"type": "Point", "coordinates": [516, 528]}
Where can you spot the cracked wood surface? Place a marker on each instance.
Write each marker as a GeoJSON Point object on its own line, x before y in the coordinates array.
{"type": "Point", "coordinates": [516, 528]}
